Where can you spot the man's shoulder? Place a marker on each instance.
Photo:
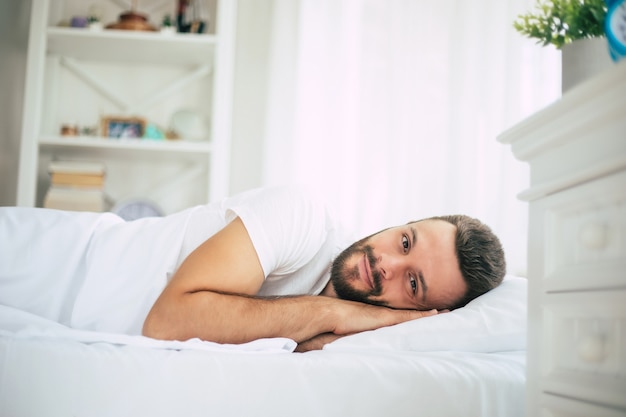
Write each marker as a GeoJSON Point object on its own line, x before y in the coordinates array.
{"type": "Point", "coordinates": [287, 225]}
{"type": "Point", "coordinates": [293, 198]}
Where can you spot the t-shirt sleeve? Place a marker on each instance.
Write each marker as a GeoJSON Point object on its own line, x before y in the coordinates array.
{"type": "Point", "coordinates": [287, 226]}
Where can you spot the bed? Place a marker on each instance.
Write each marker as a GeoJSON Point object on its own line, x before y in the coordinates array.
{"type": "Point", "coordinates": [470, 361]}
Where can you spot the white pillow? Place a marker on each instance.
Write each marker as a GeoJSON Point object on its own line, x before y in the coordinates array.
{"type": "Point", "coordinates": [493, 322]}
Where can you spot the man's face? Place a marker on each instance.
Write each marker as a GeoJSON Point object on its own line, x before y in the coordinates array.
{"type": "Point", "coordinates": [407, 267]}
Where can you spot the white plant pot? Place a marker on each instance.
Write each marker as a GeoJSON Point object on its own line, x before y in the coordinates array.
{"type": "Point", "coordinates": [168, 30]}
{"type": "Point", "coordinates": [582, 59]}
{"type": "Point", "coordinates": [95, 26]}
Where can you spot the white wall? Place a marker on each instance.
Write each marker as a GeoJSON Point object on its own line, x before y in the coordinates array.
{"type": "Point", "coordinates": [14, 22]}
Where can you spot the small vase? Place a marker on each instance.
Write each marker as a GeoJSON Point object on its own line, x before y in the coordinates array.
{"type": "Point", "coordinates": [582, 59]}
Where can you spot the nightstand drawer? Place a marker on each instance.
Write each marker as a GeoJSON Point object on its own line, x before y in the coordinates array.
{"type": "Point", "coordinates": [585, 236]}
{"type": "Point", "coordinates": [553, 406]}
{"type": "Point", "coordinates": [584, 345]}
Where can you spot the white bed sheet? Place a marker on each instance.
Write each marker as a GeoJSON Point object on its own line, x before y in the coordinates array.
{"type": "Point", "coordinates": [61, 377]}
{"type": "Point", "coordinates": [448, 365]}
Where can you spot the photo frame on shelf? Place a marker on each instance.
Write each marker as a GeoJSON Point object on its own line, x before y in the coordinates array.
{"type": "Point", "coordinates": [123, 127]}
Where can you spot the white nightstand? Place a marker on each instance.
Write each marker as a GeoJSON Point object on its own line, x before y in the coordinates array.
{"type": "Point", "coordinates": [576, 149]}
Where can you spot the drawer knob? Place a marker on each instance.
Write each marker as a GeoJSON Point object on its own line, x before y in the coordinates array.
{"type": "Point", "coordinates": [594, 236]}
{"type": "Point", "coordinates": [592, 349]}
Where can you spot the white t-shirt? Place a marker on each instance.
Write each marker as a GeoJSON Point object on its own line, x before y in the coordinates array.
{"type": "Point", "coordinates": [94, 271]}
{"type": "Point", "coordinates": [292, 231]}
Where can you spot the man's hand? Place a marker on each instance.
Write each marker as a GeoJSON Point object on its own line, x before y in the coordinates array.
{"type": "Point", "coordinates": [370, 317]}
{"type": "Point", "coordinates": [317, 342]}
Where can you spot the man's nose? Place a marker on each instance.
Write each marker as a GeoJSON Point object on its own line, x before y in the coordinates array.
{"type": "Point", "coordinates": [389, 267]}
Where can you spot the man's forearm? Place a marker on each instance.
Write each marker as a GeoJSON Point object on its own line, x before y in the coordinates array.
{"type": "Point", "coordinates": [229, 318]}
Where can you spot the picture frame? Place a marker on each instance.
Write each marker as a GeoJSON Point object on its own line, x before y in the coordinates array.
{"type": "Point", "coordinates": [123, 127]}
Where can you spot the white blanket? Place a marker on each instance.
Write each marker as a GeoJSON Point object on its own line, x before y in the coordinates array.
{"type": "Point", "coordinates": [18, 324]}
{"type": "Point", "coordinates": [90, 271]}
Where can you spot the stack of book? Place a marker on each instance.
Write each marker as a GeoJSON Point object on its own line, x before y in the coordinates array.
{"type": "Point", "coordinates": [76, 185]}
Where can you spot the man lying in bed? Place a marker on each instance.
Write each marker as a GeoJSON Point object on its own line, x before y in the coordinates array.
{"type": "Point", "coordinates": [280, 236]}
{"type": "Point", "coordinates": [252, 266]}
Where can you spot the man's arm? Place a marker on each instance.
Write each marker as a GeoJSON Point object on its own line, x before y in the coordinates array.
{"type": "Point", "coordinates": [211, 297]}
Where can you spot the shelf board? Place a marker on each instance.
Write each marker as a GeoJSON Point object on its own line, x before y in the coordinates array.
{"type": "Point", "coordinates": [131, 46]}
{"type": "Point", "coordinates": [141, 145]}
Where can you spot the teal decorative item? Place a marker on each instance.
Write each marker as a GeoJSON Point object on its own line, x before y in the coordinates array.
{"type": "Point", "coordinates": [615, 28]}
{"type": "Point", "coordinates": [153, 132]}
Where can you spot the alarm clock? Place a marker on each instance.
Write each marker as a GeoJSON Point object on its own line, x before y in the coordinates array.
{"type": "Point", "coordinates": [136, 208]}
{"type": "Point", "coordinates": [615, 28]}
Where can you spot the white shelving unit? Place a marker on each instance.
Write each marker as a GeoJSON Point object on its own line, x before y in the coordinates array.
{"type": "Point", "coordinates": [78, 75]}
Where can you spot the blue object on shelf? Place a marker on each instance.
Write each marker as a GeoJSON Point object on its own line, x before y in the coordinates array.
{"type": "Point", "coordinates": [615, 28]}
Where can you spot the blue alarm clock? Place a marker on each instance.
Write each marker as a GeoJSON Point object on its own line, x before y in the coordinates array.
{"type": "Point", "coordinates": [615, 28]}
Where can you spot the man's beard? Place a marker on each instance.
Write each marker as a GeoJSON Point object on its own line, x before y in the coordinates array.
{"type": "Point", "coordinates": [341, 274]}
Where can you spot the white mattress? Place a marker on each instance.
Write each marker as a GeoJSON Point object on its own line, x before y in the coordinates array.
{"type": "Point", "coordinates": [61, 377]}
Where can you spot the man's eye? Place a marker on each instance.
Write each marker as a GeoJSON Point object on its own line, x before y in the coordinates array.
{"type": "Point", "coordinates": [405, 243]}
{"type": "Point", "coordinates": [413, 284]}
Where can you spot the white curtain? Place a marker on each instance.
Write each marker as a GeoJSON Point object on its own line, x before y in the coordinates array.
{"type": "Point", "coordinates": [391, 109]}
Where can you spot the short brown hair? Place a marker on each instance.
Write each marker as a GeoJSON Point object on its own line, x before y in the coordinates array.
{"type": "Point", "coordinates": [480, 255]}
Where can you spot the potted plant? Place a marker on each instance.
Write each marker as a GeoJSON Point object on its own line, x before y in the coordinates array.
{"type": "Point", "coordinates": [558, 22]}
{"type": "Point", "coordinates": [94, 23]}
{"type": "Point", "coordinates": [94, 17]}
{"type": "Point", "coordinates": [576, 27]}
{"type": "Point", "coordinates": [167, 26]}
